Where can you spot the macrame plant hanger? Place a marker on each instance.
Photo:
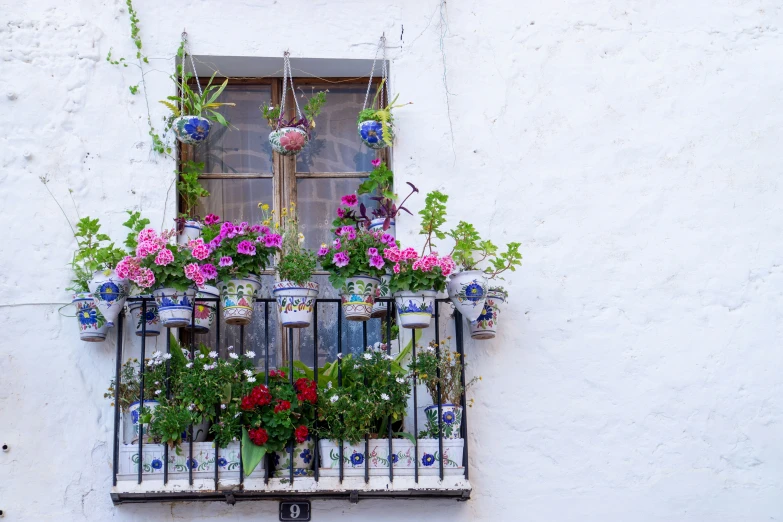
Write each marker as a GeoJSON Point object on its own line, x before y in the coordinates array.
{"type": "Point", "coordinates": [186, 52]}
{"type": "Point", "coordinates": [288, 76]}
{"type": "Point", "coordinates": [385, 90]}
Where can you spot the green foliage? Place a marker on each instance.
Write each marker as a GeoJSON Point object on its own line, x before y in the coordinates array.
{"type": "Point", "coordinates": [134, 23]}
{"type": "Point", "coordinates": [134, 89]}
{"type": "Point", "coordinates": [191, 103]}
{"type": "Point", "coordinates": [470, 250]}
{"type": "Point", "coordinates": [314, 106]}
{"type": "Point", "coordinates": [508, 260]}
{"type": "Point", "coordinates": [433, 216]}
{"type": "Point", "coordinates": [296, 263]}
{"type": "Point", "coordinates": [383, 114]}
{"type": "Point", "coordinates": [438, 365]}
{"type": "Point", "coordinates": [374, 389]}
{"type": "Point", "coordinates": [359, 259]}
{"type": "Point", "coordinates": [189, 188]}
{"type": "Point", "coordinates": [121, 61]}
{"type": "Point", "coordinates": [311, 109]}
{"type": "Point", "coordinates": [95, 251]}
{"type": "Point", "coordinates": [130, 383]}
{"type": "Point", "coordinates": [297, 266]}
{"type": "Point", "coordinates": [380, 182]}
{"type": "Point", "coordinates": [135, 224]}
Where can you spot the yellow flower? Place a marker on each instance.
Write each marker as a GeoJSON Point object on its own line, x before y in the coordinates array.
{"type": "Point", "coordinates": [264, 207]}
{"type": "Point", "coordinates": [284, 211]}
{"type": "Point", "coordinates": [266, 222]}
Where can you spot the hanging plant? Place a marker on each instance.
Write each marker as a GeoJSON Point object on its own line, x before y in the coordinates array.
{"type": "Point", "coordinates": [190, 191]}
{"type": "Point", "coordinates": [290, 136]}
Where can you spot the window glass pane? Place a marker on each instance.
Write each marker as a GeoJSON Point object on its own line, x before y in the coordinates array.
{"type": "Point", "coordinates": [236, 199]}
{"type": "Point", "coordinates": [335, 145]}
{"type": "Point", "coordinates": [243, 146]}
{"type": "Point", "coordinates": [318, 199]}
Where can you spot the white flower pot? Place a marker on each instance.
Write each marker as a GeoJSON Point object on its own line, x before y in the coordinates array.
{"type": "Point", "coordinates": [130, 422]}
{"type": "Point", "coordinates": [206, 311]}
{"type": "Point", "coordinates": [415, 309]}
{"type": "Point", "coordinates": [191, 230]}
{"type": "Point", "coordinates": [485, 327]}
{"type": "Point", "coordinates": [377, 224]}
{"type": "Point", "coordinates": [288, 141]}
{"type": "Point", "coordinates": [358, 297]}
{"type": "Point", "coordinates": [92, 324]}
{"type": "Point", "coordinates": [175, 307]}
{"type": "Point", "coordinates": [403, 456]}
{"type": "Point", "coordinates": [468, 291]}
{"type": "Point", "coordinates": [191, 130]}
{"type": "Point", "coordinates": [381, 309]}
{"type": "Point", "coordinates": [304, 459]}
{"type": "Point", "coordinates": [203, 462]}
{"type": "Point", "coordinates": [238, 296]}
{"type": "Point", "coordinates": [153, 318]}
{"type": "Point", "coordinates": [451, 416]}
{"type": "Point", "coordinates": [109, 293]}
{"type": "Point", "coordinates": [295, 303]}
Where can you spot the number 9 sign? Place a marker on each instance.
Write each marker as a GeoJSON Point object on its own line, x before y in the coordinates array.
{"type": "Point", "coordinates": [294, 511]}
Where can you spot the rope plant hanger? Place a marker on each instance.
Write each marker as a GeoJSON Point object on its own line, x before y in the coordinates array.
{"type": "Point", "coordinates": [194, 112]}
{"type": "Point", "coordinates": [289, 137]}
{"type": "Point", "coordinates": [376, 122]}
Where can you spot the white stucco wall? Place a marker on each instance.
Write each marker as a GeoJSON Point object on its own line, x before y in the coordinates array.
{"type": "Point", "coordinates": [633, 148]}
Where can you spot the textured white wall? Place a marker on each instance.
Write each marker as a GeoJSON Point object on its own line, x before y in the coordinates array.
{"type": "Point", "coordinates": [630, 145]}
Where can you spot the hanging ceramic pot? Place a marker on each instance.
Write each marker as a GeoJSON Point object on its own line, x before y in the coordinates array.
{"type": "Point", "coordinates": [377, 224]}
{"type": "Point", "coordinates": [238, 296]}
{"type": "Point", "coordinates": [205, 310]}
{"type": "Point", "coordinates": [415, 309]}
{"type": "Point", "coordinates": [109, 291]}
{"type": "Point", "coordinates": [191, 130]}
{"type": "Point", "coordinates": [468, 291]}
{"type": "Point", "coordinates": [175, 307]}
{"type": "Point", "coordinates": [288, 141]}
{"type": "Point", "coordinates": [190, 230]}
{"type": "Point", "coordinates": [92, 324]}
{"type": "Point", "coordinates": [295, 302]}
{"type": "Point", "coordinates": [485, 327]}
{"type": "Point", "coordinates": [371, 133]}
{"type": "Point", "coordinates": [380, 309]}
{"type": "Point", "coordinates": [153, 319]}
{"type": "Point", "coordinates": [358, 297]}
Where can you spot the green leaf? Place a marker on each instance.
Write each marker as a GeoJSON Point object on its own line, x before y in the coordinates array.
{"type": "Point", "coordinates": [252, 455]}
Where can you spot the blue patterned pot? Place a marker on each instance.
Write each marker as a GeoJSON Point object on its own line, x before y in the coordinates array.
{"type": "Point", "coordinates": [485, 327]}
{"type": "Point", "coordinates": [381, 309]}
{"type": "Point", "coordinates": [451, 420]}
{"type": "Point", "coordinates": [175, 306]}
{"type": "Point", "coordinates": [131, 421]}
{"type": "Point", "coordinates": [238, 296]}
{"type": "Point", "coordinates": [191, 130]}
{"type": "Point", "coordinates": [190, 230]}
{"type": "Point", "coordinates": [295, 303]}
{"type": "Point", "coordinates": [206, 311]}
{"type": "Point", "coordinates": [109, 293]}
{"type": "Point", "coordinates": [153, 318]}
{"type": "Point", "coordinates": [92, 325]}
{"type": "Point", "coordinates": [371, 133]}
{"type": "Point", "coordinates": [377, 224]}
{"type": "Point", "coordinates": [415, 309]}
{"type": "Point", "coordinates": [358, 297]}
{"type": "Point", "coordinates": [288, 141]}
{"type": "Point", "coordinates": [304, 459]}
{"type": "Point", "coordinates": [468, 291]}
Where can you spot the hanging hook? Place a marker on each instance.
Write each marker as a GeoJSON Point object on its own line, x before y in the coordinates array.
{"type": "Point", "coordinates": [184, 35]}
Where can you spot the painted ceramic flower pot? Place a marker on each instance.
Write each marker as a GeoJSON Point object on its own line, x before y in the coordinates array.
{"type": "Point", "coordinates": [109, 292]}
{"type": "Point", "coordinates": [206, 311]}
{"type": "Point", "coordinates": [450, 414]}
{"type": "Point", "coordinates": [415, 309]}
{"type": "Point", "coordinates": [295, 303]}
{"type": "Point", "coordinates": [288, 141]}
{"type": "Point", "coordinates": [358, 297]}
{"type": "Point", "coordinates": [190, 230]}
{"type": "Point", "coordinates": [175, 307]}
{"type": "Point", "coordinates": [377, 224]}
{"type": "Point", "coordinates": [485, 327]}
{"type": "Point", "coordinates": [238, 296]}
{"type": "Point", "coordinates": [92, 325]}
{"type": "Point", "coordinates": [381, 309]}
{"type": "Point", "coordinates": [371, 133]}
{"type": "Point", "coordinates": [200, 432]}
{"type": "Point", "coordinates": [403, 457]}
{"type": "Point", "coordinates": [468, 291]}
{"type": "Point", "coordinates": [191, 130]}
{"type": "Point", "coordinates": [304, 460]}
{"type": "Point", "coordinates": [153, 318]}
{"type": "Point", "coordinates": [130, 421]}
{"type": "Point", "coordinates": [329, 450]}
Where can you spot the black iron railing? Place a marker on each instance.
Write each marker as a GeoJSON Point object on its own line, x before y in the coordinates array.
{"type": "Point", "coordinates": [145, 301]}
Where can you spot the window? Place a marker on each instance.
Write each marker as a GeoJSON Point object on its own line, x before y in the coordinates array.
{"type": "Point", "coordinates": [241, 171]}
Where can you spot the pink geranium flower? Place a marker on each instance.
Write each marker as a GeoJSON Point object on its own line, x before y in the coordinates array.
{"type": "Point", "coordinates": [372, 251]}
{"type": "Point", "coordinates": [211, 219]}
{"type": "Point", "coordinates": [273, 241]}
{"type": "Point", "coordinates": [209, 271]}
{"type": "Point", "coordinates": [164, 257]}
{"type": "Point", "coordinates": [376, 162]}
{"type": "Point", "coordinates": [148, 234]}
{"type": "Point", "coordinates": [376, 261]}
{"type": "Point", "coordinates": [396, 268]}
{"type": "Point", "coordinates": [336, 244]}
{"type": "Point", "coordinates": [349, 200]}
{"type": "Point", "coordinates": [341, 259]}
{"type": "Point", "coordinates": [145, 278]}
{"type": "Point", "coordinates": [323, 251]}
{"type": "Point", "coordinates": [340, 212]}
{"type": "Point", "coordinates": [246, 247]}
{"type": "Point", "coordinates": [226, 261]}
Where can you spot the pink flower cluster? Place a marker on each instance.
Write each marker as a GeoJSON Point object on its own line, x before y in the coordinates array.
{"type": "Point", "coordinates": [193, 272]}
{"type": "Point", "coordinates": [423, 264]}
{"type": "Point", "coordinates": [246, 247]}
{"type": "Point", "coordinates": [349, 200]}
{"type": "Point", "coordinates": [211, 219]}
{"type": "Point", "coordinates": [199, 249]}
{"type": "Point", "coordinates": [341, 259]}
{"type": "Point", "coordinates": [348, 232]}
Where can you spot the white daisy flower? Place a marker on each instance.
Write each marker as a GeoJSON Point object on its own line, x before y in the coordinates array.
{"type": "Point", "coordinates": [231, 348]}
{"type": "Point", "coordinates": [213, 354]}
{"type": "Point", "coordinates": [251, 379]}
{"type": "Point", "coordinates": [334, 398]}
{"type": "Point", "coordinates": [367, 356]}
{"type": "Point", "coordinates": [222, 406]}
{"type": "Point", "coordinates": [329, 385]}
{"type": "Point", "coordinates": [167, 356]}
{"type": "Point", "coordinates": [249, 373]}
{"type": "Point", "coordinates": [201, 356]}
{"type": "Point", "coordinates": [355, 366]}
{"type": "Point", "coordinates": [250, 354]}
{"type": "Point", "coordinates": [384, 397]}
{"type": "Point", "coordinates": [192, 407]}
{"type": "Point", "coordinates": [207, 367]}
{"type": "Point", "coordinates": [158, 392]}
{"type": "Point", "coordinates": [156, 354]}
{"type": "Point", "coordinates": [233, 355]}
{"type": "Point", "coordinates": [189, 365]}
{"type": "Point", "coordinates": [400, 380]}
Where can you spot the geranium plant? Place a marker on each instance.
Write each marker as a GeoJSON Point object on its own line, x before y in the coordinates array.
{"type": "Point", "coordinates": [374, 390]}
{"type": "Point", "coordinates": [415, 273]}
{"type": "Point", "coordinates": [94, 252]}
{"type": "Point", "coordinates": [470, 250]}
{"type": "Point", "coordinates": [238, 249]}
{"type": "Point", "coordinates": [354, 252]}
{"type": "Point", "coordinates": [275, 416]}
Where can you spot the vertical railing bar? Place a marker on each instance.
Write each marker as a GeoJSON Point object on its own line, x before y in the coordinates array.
{"type": "Point", "coordinates": [192, 355]}
{"type": "Point", "coordinates": [217, 349]}
{"type": "Point", "coordinates": [315, 378]}
{"type": "Point", "coordinates": [388, 352]}
{"type": "Point", "coordinates": [241, 354]}
{"type": "Point", "coordinates": [415, 414]}
{"type": "Point", "coordinates": [266, 459]}
{"type": "Point", "coordinates": [459, 339]}
{"type": "Point", "coordinates": [117, 384]}
{"type": "Point", "coordinates": [340, 372]}
{"type": "Point", "coordinates": [168, 396]}
{"type": "Point", "coordinates": [440, 399]}
{"type": "Point", "coordinates": [291, 381]}
{"type": "Point", "coordinates": [366, 436]}
{"type": "Point", "coordinates": [141, 385]}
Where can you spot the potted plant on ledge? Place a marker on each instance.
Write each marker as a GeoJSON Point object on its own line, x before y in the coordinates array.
{"type": "Point", "coordinates": [192, 113]}
{"type": "Point", "coordinates": [294, 291]}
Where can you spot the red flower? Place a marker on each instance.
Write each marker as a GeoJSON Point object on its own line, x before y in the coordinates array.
{"type": "Point", "coordinates": [248, 403]}
{"type": "Point", "coordinates": [301, 434]}
{"type": "Point", "coordinates": [292, 140]}
{"type": "Point", "coordinates": [259, 436]}
{"type": "Point", "coordinates": [282, 406]}
{"type": "Point", "coordinates": [260, 395]}
{"type": "Point", "coordinates": [277, 373]}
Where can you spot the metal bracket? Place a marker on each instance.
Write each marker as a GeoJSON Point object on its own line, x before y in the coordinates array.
{"type": "Point", "coordinates": [354, 497]}
{"type": "Point", "coordinates": [230, 499]}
